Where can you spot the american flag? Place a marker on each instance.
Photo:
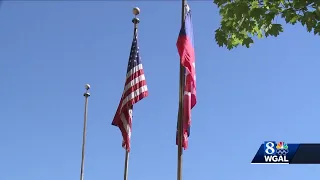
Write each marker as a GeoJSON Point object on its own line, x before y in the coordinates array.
{"type": "Point", "coordinates": [187, 57]}
{"type": "Point", "coordinates": [135, 89]}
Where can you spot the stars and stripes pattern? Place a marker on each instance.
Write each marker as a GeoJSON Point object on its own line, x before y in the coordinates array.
{"type": "Point", "coordinates": [185, 48]}
{"type": "Point", "coordinates": [135, 89]}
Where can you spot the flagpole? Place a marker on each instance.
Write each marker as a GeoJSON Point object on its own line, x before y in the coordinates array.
{"type": "Point", "coordinates": [135, 21]}
{"type": "Point", "coordinates": [180, 112]}
{"type": "Point", "coordinates": [86, 95]}
{"type": "Point", "coordinates": [126, 165]}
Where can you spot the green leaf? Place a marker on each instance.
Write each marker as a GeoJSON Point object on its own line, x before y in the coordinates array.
{"type": "Point", "coordinates": [275, 29]}
{"type": "Point", "coordinates": [256, 13]}
{"type": "Point", "coordinates": [220, 37]}
{"type": "Point", "coordinates": [317, 29]}
{"type": "Point", "coordinates": [260, 35]}
{"type": "Point", "coordinates": [247, 41]}
{"type": "Point", "coordinates": [294, 19]}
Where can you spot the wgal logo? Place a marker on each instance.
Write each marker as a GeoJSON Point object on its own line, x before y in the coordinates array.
{"type": "Point", "coordinates": [275, 152]}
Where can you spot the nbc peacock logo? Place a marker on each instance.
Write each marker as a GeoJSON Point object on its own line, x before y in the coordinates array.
{"type": "Point", "coordinates": [282, 148]}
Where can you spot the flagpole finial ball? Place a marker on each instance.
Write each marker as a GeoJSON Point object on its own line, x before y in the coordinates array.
{"type": "Point", "coordinates": [135, 20]}
{"type": "Point", "coordinates": [136, 11]}
{"type": "Point", "coordinates": [87, 86]}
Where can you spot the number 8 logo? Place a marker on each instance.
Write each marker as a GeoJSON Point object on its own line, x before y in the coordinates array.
{"type": "Point", "coordinates": [269, 148]}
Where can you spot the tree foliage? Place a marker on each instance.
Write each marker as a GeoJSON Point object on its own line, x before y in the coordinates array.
{"type": "Point", "coordinates": [241, 20]}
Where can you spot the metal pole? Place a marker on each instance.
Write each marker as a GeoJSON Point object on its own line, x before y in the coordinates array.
{"type": "Point", "coordinates": [86, 95]}
{"type": "Point", "coordinates": [180, 113]}
{"type": "Point", "coordinates": [126, 166]}
{"type": "Point", "coordinates": [135, 21]}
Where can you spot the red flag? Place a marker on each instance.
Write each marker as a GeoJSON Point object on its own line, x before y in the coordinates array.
{"type": "Point", "coordinates": [187, 57]}
{"type": "Point", "coordinates": [135, 90]}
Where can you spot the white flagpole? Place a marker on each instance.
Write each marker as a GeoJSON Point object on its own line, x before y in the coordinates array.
{"type": "Point", "coordinates": [86, 95]}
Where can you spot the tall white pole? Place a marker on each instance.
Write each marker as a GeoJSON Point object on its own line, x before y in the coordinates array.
{"type": "Point", "coordinates": [86, 96]}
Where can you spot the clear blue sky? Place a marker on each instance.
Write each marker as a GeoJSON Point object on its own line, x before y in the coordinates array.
{"type": "Point", "coordinates": [50, 50]}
